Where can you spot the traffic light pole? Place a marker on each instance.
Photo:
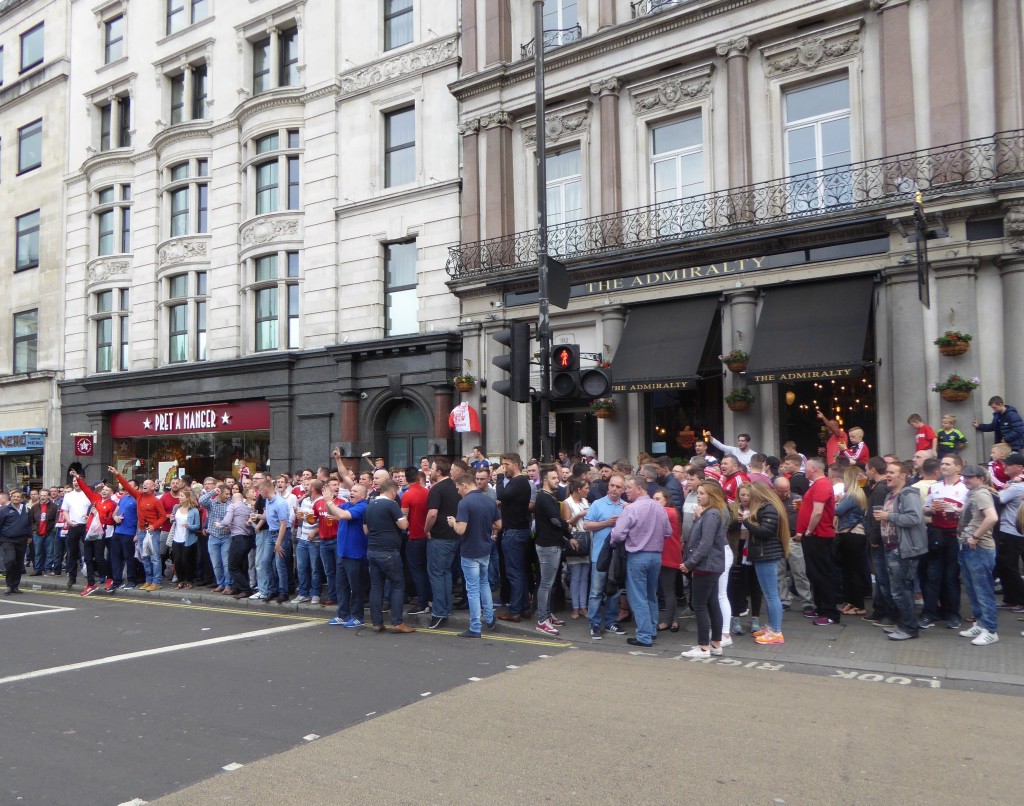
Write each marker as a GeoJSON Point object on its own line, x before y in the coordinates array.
{"type": "Point", "coordinates": [544, 320]}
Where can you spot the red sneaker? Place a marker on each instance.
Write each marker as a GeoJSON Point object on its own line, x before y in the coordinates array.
{"type": "Point", "coordinates": [109, 586]}
{"type": "Point", "coordinates": [546, 627]}
{"type": "Point", "coordinates": [88, 590]}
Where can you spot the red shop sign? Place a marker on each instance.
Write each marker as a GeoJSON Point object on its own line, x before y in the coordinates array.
{"type": "Point", "coordinates": [249, 415]}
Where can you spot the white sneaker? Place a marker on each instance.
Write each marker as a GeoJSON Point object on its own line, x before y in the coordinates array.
{"type": "Point", "coordinates": [985, 638]}
{"type": "Point", "coordinates": [726, 640]}
{"type": "Point", "coordinates": [315, 600]}
{"type": "Point", "coordinates": [716, 651]}
{"type": "Point", "coordinates": [972, 632]}
{"type": "Point", "coordinates": [299, 600]}
{"type": "Point", "coordinates": [696, 652]}
{"type": "Point", "coordinates": [258, 595]}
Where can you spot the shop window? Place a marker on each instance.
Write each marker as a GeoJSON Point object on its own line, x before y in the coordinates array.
{"type": "Point", "coordinates": [183, 13]}
{"type": "Point", "coordinates": [113, 39]}
{"type": "Point", "coordinates": [26, 341]}
{"type": "Point", "coordinates": [187, 198]}
{"type": "Point", "coordinates": [275, 295]}
{"type": "Point", "coordinates": [113, 216]}
{"type": "Point", "coordinates": [186, 306]}
{"type": "Point", "coordinates": [400, 289]}
{"type": "Point", "coordinates": [30, 146]}
{"type": "Point", "coordinates": [276, 178]}
{"type": "Point", "coordinates": [397, 23]}
{"type": "Point", "coordinates": [817, 142]}
{"type": "Point", "coordinates": [399, 147]}
{"type": "Point", "coordinates": [111, 324]}
{"type": "Point", "coordinates": [564, 187]}
{"type": "Point", "coordinates": [115, 123]}
{"type": "Point", "coordinates": [27, 241]}
{"type": "Point", "coordinates": [32, 48]}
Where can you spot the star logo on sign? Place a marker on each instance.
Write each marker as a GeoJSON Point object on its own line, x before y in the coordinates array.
{"type": "Point", "coordinates": [225, 418]}
{"type": "Point", "coordinates": [84, 445]}
{"type": "Point", "coordinates": [147, 424]}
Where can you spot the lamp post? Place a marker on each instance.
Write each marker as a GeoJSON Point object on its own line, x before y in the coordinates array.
{"type": "Point", "coordinates": [544, 320]}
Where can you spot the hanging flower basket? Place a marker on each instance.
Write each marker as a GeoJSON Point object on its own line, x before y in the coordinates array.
{"type": "Point", "coordinates": [955, 389]}
{"type": "Point", "coordinates": [954, 395]}
{"type": "Point", "coordinates": [736, 361]}
{"type": "Point", "coordinates": [738, 405]}
{"type": "Point", "coordinates": [464, 383]}
{"type": "Point", "coordinates": [603, 407]}
{"type": "Point", "coordinates": [739, 399]}
{"type": "Point", "coordinates": [953, 342]}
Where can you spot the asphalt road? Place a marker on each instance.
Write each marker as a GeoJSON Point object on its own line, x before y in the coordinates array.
{"type": "Point", "coordinates": [98, 710]}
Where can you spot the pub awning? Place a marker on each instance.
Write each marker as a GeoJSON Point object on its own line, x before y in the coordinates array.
{"type": "Point", "coordinates": [812, 331]}
{"type": "Point", "coordinates": [662, 345]}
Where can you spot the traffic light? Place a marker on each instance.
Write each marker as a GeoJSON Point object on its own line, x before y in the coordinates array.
{"type": "Point", "coordinates": [516, 362]}
{"type": "Point", "coordinates": [595, 382]}
{"type": "Point", "coordinates": [565, 372]}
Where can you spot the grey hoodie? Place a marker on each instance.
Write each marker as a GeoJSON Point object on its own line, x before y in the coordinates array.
{"type": "Point", "coordinates": [908, 517]}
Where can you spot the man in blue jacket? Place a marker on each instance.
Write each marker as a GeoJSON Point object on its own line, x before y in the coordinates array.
{"type": "Point", "coordinates": [1006, 423]}
{"type": "Point", "coordinates": [15, 529]}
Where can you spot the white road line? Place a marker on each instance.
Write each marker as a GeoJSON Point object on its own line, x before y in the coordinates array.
{"type": "Point", "coordinates": [32, 604]}
{"type": "Point", "coordinates": [37, 613]}
{"type": "Point", "coordinates": [145, 653]}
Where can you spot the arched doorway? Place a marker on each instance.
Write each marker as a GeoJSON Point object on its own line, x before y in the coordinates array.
{"type": "Point", "coordinates": [406, 431]}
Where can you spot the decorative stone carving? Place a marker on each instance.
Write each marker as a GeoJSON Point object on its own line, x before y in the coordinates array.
{"type": "Point", "coordinates": [669, 94]}
{"type": "Point", "coordinates": [398, 66]}
{"type": "Point", "coordinates": [497, 118]}
{"type": "Point", "coordinates": [812, 52]}
{"type": "Point", "coordinates": [606, 86]}
{"type": "Point", "coordinates": [180, 251]}
{"type": "Point", "coordinates": [1013, 225]}
{"type": "Point", "coordinates": [470, 127]}
{"type": "Point", "coordinates": [734, 47]}
{"type": "Point", "coordinates": [558, 125]}
{"type": "Point", "coordinates": [105, 269]}
{"type": "Point", "coordinates": [264, 231]}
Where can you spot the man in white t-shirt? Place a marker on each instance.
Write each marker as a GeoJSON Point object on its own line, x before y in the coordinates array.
{"type": "Point", "coordinates": [741, 450]}
{"type": "Point", "coordinates": [75, 507]}
{"type": "Point", "coordinates": [940, 567]}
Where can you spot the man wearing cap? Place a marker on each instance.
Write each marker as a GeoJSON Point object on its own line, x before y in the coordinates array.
{"type": "Point", "coordinates": [1010, 543]}
{"type": "Point", "coordinates": [978, 555]}
{"type": "Point", "coordinates": [599, 485]}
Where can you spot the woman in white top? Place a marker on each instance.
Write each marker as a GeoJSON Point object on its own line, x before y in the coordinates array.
{"type": "Point", "coordinates": [184, 533]}
{"type": "Point", "coordinates": [574, 507]}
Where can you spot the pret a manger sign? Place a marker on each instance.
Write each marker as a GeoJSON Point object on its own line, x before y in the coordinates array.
{"type": "Point", "coordinates": [250, 415]}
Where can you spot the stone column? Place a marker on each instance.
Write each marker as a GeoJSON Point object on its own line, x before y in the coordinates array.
{"type": "Point", "coordinates": [189, 79]}
{"type": "Point", "coordinates": [737, 109]}
{"type": "Point", "coordinates": [1011, 273]}
{"type": "Point", "coordinates": [468, 37]}
{"type": "Point", "coordinates": [442, 407]}
{"type": "Point", "coordinates": [349, 417]}
{"type": "Point", "coordinates": [605, 14]}
{"type": "Point", "coordinates": [607, 91]}
{"type": "Point", "coordinates": [275, 57]}
{"type": "Point", "coordinates": [904, 367]}
{"type": "Point", "coordinates": [499, 189]}
{"type": "Point", "coordinates": [115, 122]}
{"type": "Point", "coordinates": [613, 433]}
{"type": "Point", "coordinates": [946, 74]}
{"type": "Point", "coordinates": [740, 336]}
{"type": "Point", "coordinates": [1009, 53]}
{"type": "Point", "coordinates": [472, 362]}
{"type": "Point", "coordinates": [470, 131]}
{"type": "Point", "coordinates": [954, 299]}
{"type": "Point", "coordinates": [896, 71]}
{"type": "Point", "coordinates": [498, 31]}
{"type": "Point", "coordinates": [280, 452]}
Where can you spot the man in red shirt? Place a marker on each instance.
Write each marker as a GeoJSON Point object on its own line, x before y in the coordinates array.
{"type": "Point", "coordinates": [925, 438]}
{"type": "Point", "coordinates": [732, 476]}
{"type": "Point", "coordinates": [328, 538]}
{"type": "Point", "coordinates": [152, 519]}
{"type": "Point", "coordinates": [815, 532]}
{"type": "Point", "coordinates": [414, 507]}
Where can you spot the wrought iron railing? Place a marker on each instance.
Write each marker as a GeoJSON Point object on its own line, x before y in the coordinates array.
{"type": "Point", "coordinates": [554, 38]}
{"type": "Point", "coordinates": [641, 8]}
{"type": "Point", "coordinates": [879, 183]}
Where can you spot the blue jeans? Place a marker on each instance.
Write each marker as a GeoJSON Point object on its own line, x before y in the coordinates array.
{"type": "Point", "coordinates": [881, 601]}
{"type": "Point", "coordinates": [41, 545]}
{"type": "Point", "coordinates": [122, 551]}
{"type": "Point", "coordinates": [265, 576]}
{"type": "Point", "coordinates": [440, 555]}
{"type": "Point", "coordinates": [416, 555]}
{"type": "Point", "coordinates": [283, 562]}
{"type": "Point", "coordinates": [152, 565]}
{"type": "Point", "coordinates": [977, 565]}
{"type": "Point", "coordinates": [329, 558]}
{"type": "Point", "coordinates": [579, 588]}
{"type": "Point", "coordinates": [642, 571]}
{"type": "Point", "coordinates": [901, 579]}
{"type": "Point", "coordinates": [767, 576]}
{"type": "Point", "coordinates": [493, 578]}
{"type": "Point", "coordinates": [308, 571]}
{"type": "Point", "coordinates": [349, 578]}
{"type": "Point", "coordinates": [219, 549]}
{"type": "Point", "coordinates": [478, 591]}
{"type": "Point", "coordinates": [598, 580]}
{"type": "Point", "coordinates": [55, 562]}
{"type": "Point", "coordinates": [386, 567]}
{"type": "Point", "coordinates": [514, 545]}
{"type": "Point", "coordinates": [548, 558]}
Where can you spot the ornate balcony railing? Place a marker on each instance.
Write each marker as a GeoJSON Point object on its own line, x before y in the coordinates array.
{"type": "Point", "coordinates": [554, 38]}
{"type": "Point", "coordinates": [872, 184]}
{"type": "Point", "coordinates": [642, 8]}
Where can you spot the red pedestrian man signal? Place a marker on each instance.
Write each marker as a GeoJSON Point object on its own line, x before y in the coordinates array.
{"type": "Point", "coordinates": [566, 357]}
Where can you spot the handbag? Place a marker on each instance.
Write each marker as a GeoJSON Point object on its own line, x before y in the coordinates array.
{"type": "Point", "coordinates": [583, 540]}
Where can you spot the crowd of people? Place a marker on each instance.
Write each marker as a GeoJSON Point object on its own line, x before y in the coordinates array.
{"type": "Point", "coordinates": [841, 534]}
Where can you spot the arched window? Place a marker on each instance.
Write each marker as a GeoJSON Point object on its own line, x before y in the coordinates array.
{"type": "Point", "coordinates": [406, 432]}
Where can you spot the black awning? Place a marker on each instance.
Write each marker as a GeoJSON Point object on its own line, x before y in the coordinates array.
{"type": "Point", "coordinates": [662, 345]}
{"type": "Point", "coordinates": [812, 331]}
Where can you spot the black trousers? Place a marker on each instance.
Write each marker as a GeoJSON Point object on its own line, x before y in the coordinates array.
{"type": "Point", "coordinates": [75, 535]}
{"type": "Point", "coordinates": [12, 551]}
{"type": "Point", "coordinates": [851, 548]}
{"type": "Point", "coordinates": [1008, 552]}
{"type": "Point", "coordinates": [704, 600]}
{"type": "Point", "coordinates": [95, 563]}
{"type": "Point", "coordinates": [184, 558]}
{"type": "Point", "coordinates": [238, 562]}
{"type": "Point", "coordinates": [819, 555]}
{"type": "Point", "coordinates": [204, 566]}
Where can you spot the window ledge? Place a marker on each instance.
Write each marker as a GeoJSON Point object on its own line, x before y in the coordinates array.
{"type": "Point", "coordinates": [109, 66]}
{"type": "Point", "coordinates": [187, 29]}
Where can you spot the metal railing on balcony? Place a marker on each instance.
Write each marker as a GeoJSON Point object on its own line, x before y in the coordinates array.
{"type": "Point", "coordinates": [554, 38]}
{"type": "Point", "coordinates": [642, 8]}
{"type": "Point", "coordinates": [872, 184]}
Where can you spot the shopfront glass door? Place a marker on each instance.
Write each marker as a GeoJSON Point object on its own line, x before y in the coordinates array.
{"type": "Point", "coordinates": [406, 435]}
